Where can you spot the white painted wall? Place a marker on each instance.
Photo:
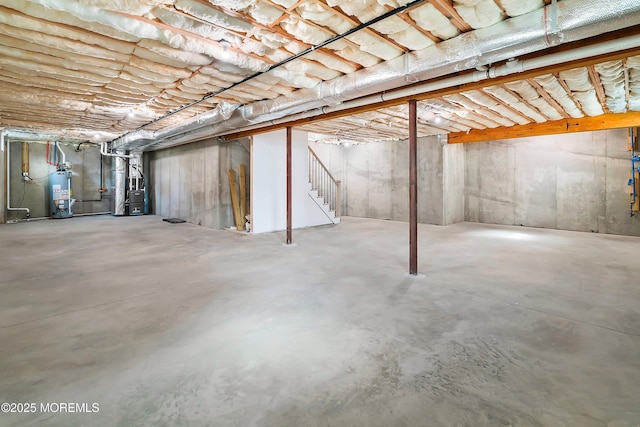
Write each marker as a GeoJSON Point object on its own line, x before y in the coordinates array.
{"type": "Point", "coordinates": [269, 183]}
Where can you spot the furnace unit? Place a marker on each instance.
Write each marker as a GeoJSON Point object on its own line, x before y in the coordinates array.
{"type": "Point", "coordinates": [136, 202]}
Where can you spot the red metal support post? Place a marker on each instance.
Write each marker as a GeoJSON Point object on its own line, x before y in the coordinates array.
{"type": "Point", "coordinates": [413, 188]}
{"type": "Point", "coordinates": [289, 204]}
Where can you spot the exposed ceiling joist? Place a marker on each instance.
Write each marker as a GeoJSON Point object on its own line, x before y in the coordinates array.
{"type": "Point", "coordinates": [565, 86]}
{"type": "Point", "coordinates": [611, 56]}
{"type": "Point", "coordinates": [545, 95]}
{"type": "Point", "coordinates": [595, 79]}
{"type": "Point", "coordinates": [447, 9]}
{"type": "Point", "coordinates": [96, 62]}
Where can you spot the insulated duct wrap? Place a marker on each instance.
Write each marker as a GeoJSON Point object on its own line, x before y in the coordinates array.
{"type": "Point", "coordinates": [532, 32]}
{"type": "Point", "coordinates": [145, 140]}
{"type": "Point", "coordinates": [120, 182]}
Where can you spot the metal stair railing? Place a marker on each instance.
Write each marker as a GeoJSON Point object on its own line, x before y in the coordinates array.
{"type": "Point", "coordinates": [324, 183]}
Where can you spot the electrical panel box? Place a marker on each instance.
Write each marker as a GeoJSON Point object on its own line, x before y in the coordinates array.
{"type": "Point", "coordinates": [60, 194]}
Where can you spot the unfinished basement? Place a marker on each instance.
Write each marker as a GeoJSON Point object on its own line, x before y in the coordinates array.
{"type": "Point", "coordinates": [281, 213]}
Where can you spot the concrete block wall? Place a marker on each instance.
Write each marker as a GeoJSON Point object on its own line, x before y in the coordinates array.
{"type": "Point", "coordinates": [191, 181]}
{"type": "Point", "coordinates": [568, 182]}
{"type": "Point", "coordinates": [34, 194]}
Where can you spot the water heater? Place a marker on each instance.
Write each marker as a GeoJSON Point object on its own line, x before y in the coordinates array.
{"type": "Point", "coordinates": [60, 194]}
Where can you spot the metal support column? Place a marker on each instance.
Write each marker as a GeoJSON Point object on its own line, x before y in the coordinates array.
{"type": "Point", "coordinates": [289, 205]}
{"type": "Point", "coordinates": [413, 189]}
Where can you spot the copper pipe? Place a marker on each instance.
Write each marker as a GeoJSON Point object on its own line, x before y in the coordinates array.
{"type": "Point", "coordinates": [25, 159]}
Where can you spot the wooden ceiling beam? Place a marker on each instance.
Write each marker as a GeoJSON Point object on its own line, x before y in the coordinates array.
{"type": "Point", "coordinates": [585, 124]}
{"type": "Point", "coordinates": [569, 93]}
{"type": "Point", "coordinates": [627, 89]}
{"type": "Point", "coordinates": [404, 15]}
{"type": "Point", "coordinates": [467, 115]}
{"type": "Point", "coordinates": [354, 21]}
{"type": "Point", "coordinates": [480, 111]}
{"type": "Point", "coordinates": [409, 20]}
{"type": "Point", "coordinates": [499, 4]}
{"type": "Point", "coordinates": [422, 123]}
{"type": "Point", "coordinates": [446, 8]}
{"type": "Point", "coordinates": [595, 80]}
{"type": "Point", "coordinates": [524, 101]}
{"type": "Point", "coordinates": [278, 31]}
{"type": "Point", "coordinates": [509, 107]}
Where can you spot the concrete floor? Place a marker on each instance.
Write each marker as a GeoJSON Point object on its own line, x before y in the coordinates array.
{"type": "Point", "coordinates": [176, 325]}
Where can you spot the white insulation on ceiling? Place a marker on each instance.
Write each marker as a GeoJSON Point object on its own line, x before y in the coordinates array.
{"type": "Point", "coordinates": [583, 90]}
{"type": "Point", "coordinates": [479, 13]}
{"type": "Point", "coordinates": [633, 65]}
{"type": "Point", "coordinates": [551, 85]}
{"type": "Point", "coordinates": [613, 82]}
{"type": "Point", "coordinates": [493, 104]}
{"type": "Point", "coordinates": [530, 96]}
{"type": "Point", "coordinates": [110, 66]}
{"type": "Point", "coordinates": [479, 110]}
{"type": "Point", "coordinates": [431, 19]}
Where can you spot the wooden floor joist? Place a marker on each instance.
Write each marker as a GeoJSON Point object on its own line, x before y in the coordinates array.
{"type": "Point", "coordinates": [585, 124]}
{"type": "Point", "coordinates": [530, 74]}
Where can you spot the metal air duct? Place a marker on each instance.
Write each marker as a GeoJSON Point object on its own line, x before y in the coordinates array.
{"type": "Point", "coordinates": [572, 20]}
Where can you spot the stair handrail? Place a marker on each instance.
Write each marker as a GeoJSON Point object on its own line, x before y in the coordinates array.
{"type": "Point", "coordinates": [322, 164]}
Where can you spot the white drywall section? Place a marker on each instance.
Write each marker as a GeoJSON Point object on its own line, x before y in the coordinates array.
{"type": "Point", "coordinates": [269, 183]}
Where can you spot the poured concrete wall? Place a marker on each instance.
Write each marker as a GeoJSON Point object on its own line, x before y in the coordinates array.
{"type": "Point", "coordinates": [377, 181]}
{"type": "Point", "coordinates": [85, 182]}
{"type": "Point", "coordinates": [191, 181]}
{"type": "Point", "coordinates": [569, 182]}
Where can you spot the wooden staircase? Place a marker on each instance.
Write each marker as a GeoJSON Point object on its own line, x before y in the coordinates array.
{"type": "Point", "coordinates": [324, 189]}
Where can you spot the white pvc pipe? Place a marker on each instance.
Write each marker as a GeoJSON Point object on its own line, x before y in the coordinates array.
{"type": "Point", "coordinates": [7, 153]}
{"type": "Point", "coordinates": [64, 156]}
{"type": "Point", "coordinates": [69, 193]}
{"type": "Point", "coordinates": [103, 151]}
